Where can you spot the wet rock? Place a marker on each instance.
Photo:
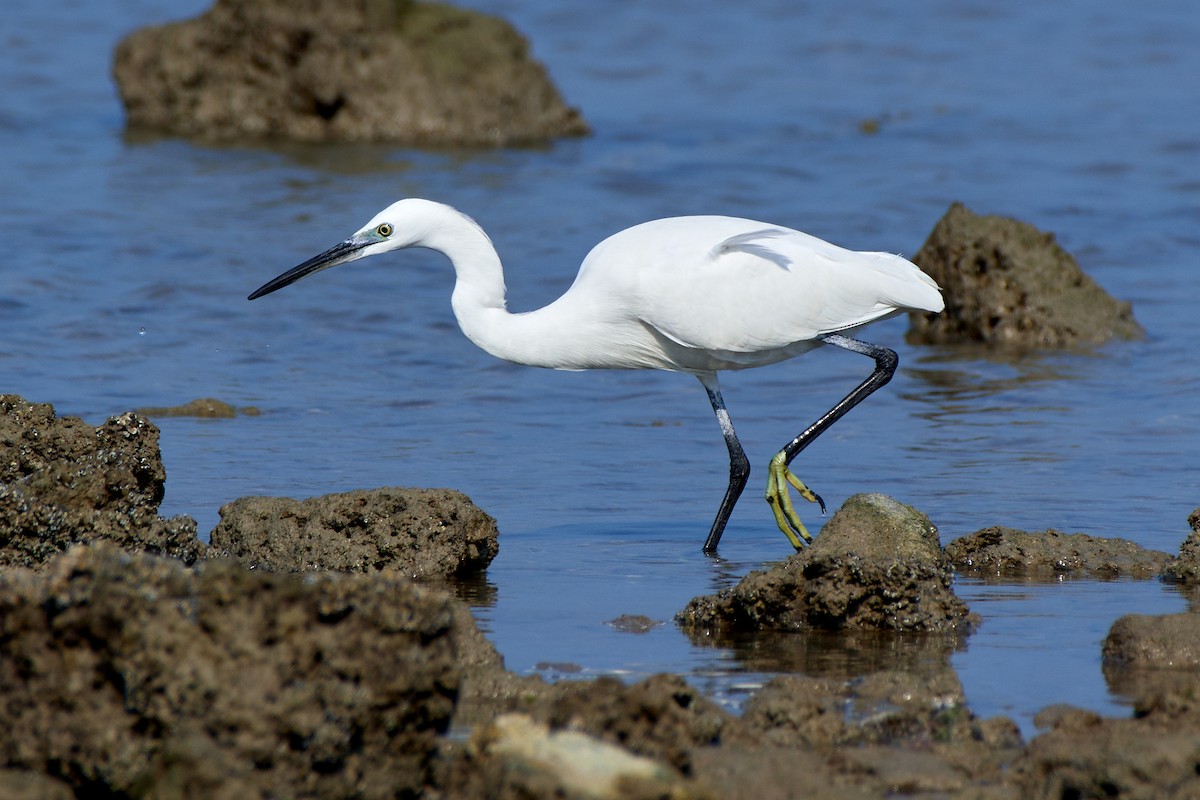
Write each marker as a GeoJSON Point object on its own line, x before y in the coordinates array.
{"type": "Point", "coordinates": [1007, 283]}
{"type": "Point", "coordinates": [413, 72]}
{"type": "Point", "coordinates": [1186, 568]}
{"type": "Point", "coordinates": [876, 565]}
{"type": "Point", "coordinates": [204, 408]}
{"type": "Point", "coordinates": [64, 482]}
{"type": "Point", "coordinates": [420, 532]}
{"type": "Point", "coordinates": [1166, 641]}
{"type": "Point", "coordinates": [1009, 552]}
{"type": "Point", "coordinates": [132, 675]}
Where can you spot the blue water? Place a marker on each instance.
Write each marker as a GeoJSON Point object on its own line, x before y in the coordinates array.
{"type": "Point", "coordinates": [128, 260]}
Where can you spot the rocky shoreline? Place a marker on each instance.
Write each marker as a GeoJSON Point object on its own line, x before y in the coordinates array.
{"type": "Point", "coordinates": [296, 656]}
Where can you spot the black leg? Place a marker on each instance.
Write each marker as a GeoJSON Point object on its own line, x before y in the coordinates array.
{"type": "Point", "coordinates": [777, 495]}
{"type": "Point", "coordinates": [739, 465]}
{"type": "Point", "coordinates": [885, 367]}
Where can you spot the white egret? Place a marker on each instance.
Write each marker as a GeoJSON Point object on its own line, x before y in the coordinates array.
{"type": "Point", "coordinates": [687, 294]}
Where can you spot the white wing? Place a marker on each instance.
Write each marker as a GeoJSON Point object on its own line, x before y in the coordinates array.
{"type": "Point", "coordinates": [739, 286]}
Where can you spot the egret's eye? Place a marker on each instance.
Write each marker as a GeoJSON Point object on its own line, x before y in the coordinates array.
{"type": "Point", "coordinates": [385, 230]}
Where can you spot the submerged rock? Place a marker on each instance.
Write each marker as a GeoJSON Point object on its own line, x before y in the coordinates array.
{"type": "Point", "coordinates": [64, 482]}
{"type": "Point", "coordinates": [1009, 552]}
{"type": "Point", "coordinates": [131, 675]}
{"type": "Point", "coordinates": [204, 408]}
{"type": "Point", "coordinates": [420, 532]}
{"type": "Point", "coordinates": [367, 70]}
{"type": "Point", "coordinates": [1007, 283]}
{"type": "Point", "coordinates": [876, 565]}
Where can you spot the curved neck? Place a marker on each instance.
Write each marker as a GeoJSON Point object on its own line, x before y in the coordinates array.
{"type": "Point", "coordinates": [479, 292]}
{"type": "Point", "coordinates": [561, 335]}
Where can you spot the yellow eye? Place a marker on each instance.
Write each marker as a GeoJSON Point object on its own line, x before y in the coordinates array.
{"type": "Point", "coordinates": [385, 230]}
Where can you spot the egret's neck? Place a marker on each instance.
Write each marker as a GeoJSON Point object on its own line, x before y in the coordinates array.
{"type": "Point", "coordinates": [562, 335]}
{"type": "Point", "coordinates": [478, 299]}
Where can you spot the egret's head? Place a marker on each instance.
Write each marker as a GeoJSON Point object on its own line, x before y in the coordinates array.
{"type": "Point", "coordinates": [407, 223]}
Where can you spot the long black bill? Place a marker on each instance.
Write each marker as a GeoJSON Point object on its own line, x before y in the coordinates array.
{"type": "Point", "coordinates": [338, 254]}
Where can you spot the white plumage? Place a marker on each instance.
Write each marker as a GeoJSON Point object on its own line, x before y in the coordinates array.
{"type": "Point", "coordinates": [694, 294]}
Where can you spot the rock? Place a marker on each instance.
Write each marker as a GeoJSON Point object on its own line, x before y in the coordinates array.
{"type": "Point", "coordinates": [1166, 641]}
{"type": "Point", "coordinates": [662, 718]}
{"type": "Point", "coordinates": [661, 721]}
{"type": "Point", "coordinates": [1008, 284]}
{"type": "Point", "coordinates": [1010, 553]}
{"type": "Point", "coordinates": [204, 408]}
{"type": "Point", "coordinates": [420, 532]}
{"type": "Point", "coordinates": [128, 674]}
{"type": "Point", "coordinates": [878, 708]}
{"type": "Point", "coordinates": [876, 565]}
{"type": "Point", "coordinates": [1186, 568]}
{"type": "Point", "coordinates": [23, 785]}
{"type": "Point", "coordinates": [1085, 755]}
{"type": "Point", "coordinates": [64, 482]}
{"type": "Point", "coordinates": [367, 70]}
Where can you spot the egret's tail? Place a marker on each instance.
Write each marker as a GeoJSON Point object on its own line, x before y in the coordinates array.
{"type": "Point", "coordinates": [904, 285]}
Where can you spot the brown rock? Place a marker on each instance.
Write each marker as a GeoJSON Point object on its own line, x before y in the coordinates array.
{"type": "Point", "coordinates": [24, 785]}
{"type": "Point", "coordinates": [1085, 755]}
{"type": "Point", "coordinates": [662, 717]}
{"type": "Point", "coordinates": [420, 532]}
{"type": "Point", "coordinates": [64, 482]}
{"type": "Point", "coordinates": [365, 70]}
{"type": "Point", "coordinates": [876, 565]}
{"type": "Point", "coordinates": [1166, 641]}
{"type": "Point", "coordinates": [1008, 284]}
{"type": "Point", "coordinates": [203, 408]}
{"type": "Point", "coordinates": [1015, 553]}
{"type": "Point", "coordinates": [124, 672]}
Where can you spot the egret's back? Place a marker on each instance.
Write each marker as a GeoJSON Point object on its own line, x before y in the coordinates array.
{"type": "Point", "coordinates": [727, 293]}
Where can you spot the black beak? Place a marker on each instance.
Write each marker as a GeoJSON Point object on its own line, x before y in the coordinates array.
{"type": "Point", "coordinates": [338, 254]}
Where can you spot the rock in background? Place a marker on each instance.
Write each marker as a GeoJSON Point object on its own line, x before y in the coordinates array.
{"type": "Point", "coordinates": [1008, 284]}
{"type": "Point", "coordinates": [365, 70]}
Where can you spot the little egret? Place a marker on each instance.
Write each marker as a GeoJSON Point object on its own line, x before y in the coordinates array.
{"type": "Point", "coordinates": [686, 294]}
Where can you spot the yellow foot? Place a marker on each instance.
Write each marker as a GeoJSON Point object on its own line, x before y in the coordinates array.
{"type": "Point", "coordinates": [778, 478]}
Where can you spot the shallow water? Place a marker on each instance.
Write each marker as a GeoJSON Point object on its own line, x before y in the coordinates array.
{"type": "Point", "coordinates": [128, 262]}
